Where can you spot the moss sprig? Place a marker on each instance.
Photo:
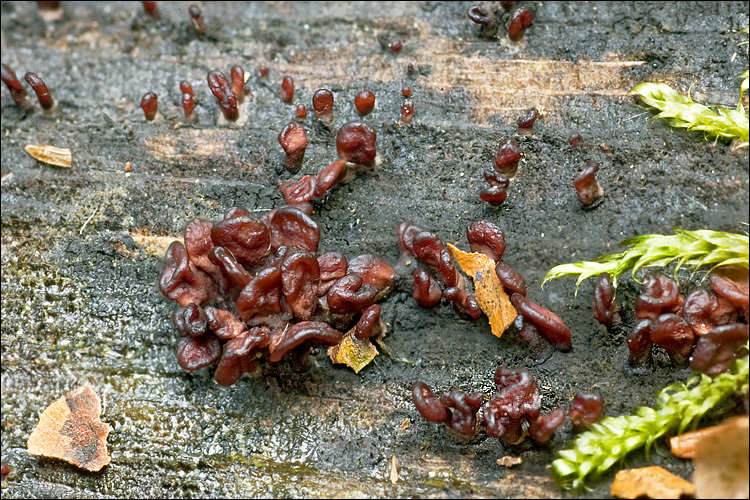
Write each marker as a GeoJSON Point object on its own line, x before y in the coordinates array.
{"type": "Point", "coordinates": [678, 407]}
{"type": "Point", "coordinates": [693, 249]}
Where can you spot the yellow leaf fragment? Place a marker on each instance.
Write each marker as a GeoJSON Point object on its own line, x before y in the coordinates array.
{"type": "Point", "coordinates": [60, 157]}
{"type": "Point", "coordinates": [71, 429]}
{"type": "Point", "coordinates": [721, 461]}
{"type": "Point", "coordinates": [683, 446]}
{"type": "Point", "coordinates": [488, 289]}
{"type": "Point", "coordinates": [650, 482]}
{"type": "Point", "coordinates": [353, 352]}
{"type": "Point", "coordinates": [394, 470]}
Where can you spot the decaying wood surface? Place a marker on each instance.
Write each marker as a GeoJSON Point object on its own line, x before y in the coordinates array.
{"type": "Point", "coordinates": [81, 247]}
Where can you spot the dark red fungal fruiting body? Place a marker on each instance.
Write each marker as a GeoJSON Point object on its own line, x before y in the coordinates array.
{"type": "Point", "coordinates": [604, 306]}
{"type": "Point", "coordinates": [526, 123]}
{"type": "Point", "coordinates": [330, 176]}
{"type": "Point", "coordinates": [521, 19]}
{"type": "Point", "coordinates": [17, 91]}
{"type": "Point", "coordinates": [732, 283]}
{"type": "Point", "coordinates": [542, 429]}
{"type": "Point", "coordinates": [152, 9]}
{"type": "Point", "coordinates": [550, 324]}
{"type": "Point", "coordinates": [291, 227]}
{"type": "Point", "coordinates": [485, 18]}
{"type": "Point", "coordinates": [529, 333]}
{"type": "Point", "coordinates": [322, 102]}
{"type": "Point", "coordinates": [370, 324]}
{"type": "Point", "coordinates": [191, 321]}
{"type": "Point", "coordinates": [639, 342]}
{"type": "Point", "coordinates": [221, 89]}
{"type": "Point", "coordinates": [427, 291]}
{"type": "Point", "coordinates": [463, 302]}
{"type": "Point", "coordinates": [149, 105]}
{"type": "Point", "coordinates": [300, 275]}
{"type": "Point", "coordinates": [507, 157]}
{"type": "Point", "coordinates": [516, 404]}
{"type": "Point", "coordinates": [196, 353]}
{"type": "Point", "coordinates": [4, 469]}
{"type": "Point", "coordinates": [294, 141]}
{"type": "Point", "coordinates": [659, 294]}
{"type": "Point", "coordinates": [351, 294]}
{"type": "Point", "coordinates": [299, 191]}
{"type": "Point", "coordinates": [237, 74]}
{"type": "Point", "coordinates": [463, 410]}
{"type": "Point", "coordinates": [185, 87]}
{"type": "Point", "coordinates": [287, 89]}
{"type": "Point", "coordinates": [197, 19]}
{"type": "Point", "coordinates": [301, 111]}
{"type": "Point", "coordinates": [396, 46]}
{"type": "Point", "coordinates": [496, 193]}
{"type": "Point", "coordinates": [263, 72]}
{"type": "Point", "coordinates": [673, 334]}
{"type": "Point", "coordinates": [407, 111]}
{"type": "Point", "coordinates": [248, 239]}
{"type": "Point", "coordinates": [364, 102]}
{"type": "Point", "coordinates": [704, 310]}
{"type": "Point", "coordinates": [507, 5]}
{"type": "Point", "coordinates": [575, 140]}
{"type": "Point", "coordinates": [512, 281]}
{"type": "Point", "coordinates": [715, 351]}
{"type": "Point", "coordinates": [42, 92]}
{"type": "Point", "coordinates": [586, 408]}
{"type": "Point", "coordinates": [406, 92]}
{"type": "Point", "coordinates": [373, 271]}
{"type": "Point", "coordinates": [486, 237]}
{"type": "Point", "coordinates": [305, 331]}
{"type": "Point", "coordinates": [428, 405]}
{"type": "Point", "coordinates": [355, 142]}
{"type": "Point", "coordinates": [587, 187]}
{"type": "Point", "coordinates": [188, 105]}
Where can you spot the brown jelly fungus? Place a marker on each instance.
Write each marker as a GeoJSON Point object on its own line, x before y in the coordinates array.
{"type": "Point", "coordinates": [587, 187]}
{"type": "Point", "coordinates": [196, 17]}
{"type": "Point", "coordinates": [604, 306]}
{"type": "Point", "coordinates": [732, 283]}
{"type": "Point", "coordinates": [428, 405]}
{"type": "Point", "coordinates": [364, 102]}
{"type": "Point", "coordinates": [370, 324]}
{"type": "Point", "coordinates": [293, 140]}
{"type": "Point", "coordinates": [247, 238]}
{"type": "Point", "coordinates": [220, 88]}
{"type": "Point", "coordinates": [427, 291]}
{"type": "Point", "coordinates": [407, 111]}
{"type": "Point", "coordinates": [496, 193]}
{"type": "Point", "coordinates": [331, 175]}
{"type": "Point", "coordinates": [485, 18]}
{"type": "Point", "coordinates": [42, 92]}
{"type": "Point", "coordinates": [586, 408]}
{"type": "Point", "coordinates": [299, 191]}
{"type": "Point", "coordinates": [350, 294]}
{"type": "Point", "coordinates": [355, 142]}
{"type": "Point", "coordinates": [520, 19]}
{"type": "Point", "coordinates": [673, 334]}
{"type": "Point", "coordinates": [322, 102]}
{"type": "Point", "coordinates": [263, 72]}
{"type": "Point", "coordinates": [396, 46]}
{"type": "Point", "coordinates": [223, 324]}
{"type": "Point", "coordinates": [237, 74]}
{"type": "Point", "coordinates": [549, 324]}
{"type": "Point", "coordinates": [300, 275]}
{"type": "Point", "coordinates": [373, 271]}
{"type": "Point", "coordinates": [507, 157]}
{"type": "Point", "coordinates": [463, 410]}
{"type": "Point", "coordinates": [152, 9]}
{"type": "Point", "coordinates": [529, 333]}
{"type": "Point", "coordinates": [515, 405]}
{"type": "Point", "coordinates": [196, 353]}
{"type": "Point", "coordinates": [639, 342]}
{"type": "Point", "coordinates": [704, 310]}
{"type": "Point", "coordinates": [304, 332]}
{"type": "Point", "coordinates": [542, 429]}
{"type": "Point", "coordinates": [526, 122]}
{"type": "Point", "coordinates": [301, 111]}
{"type": "Point", "coordinates": [17, 91]}
{"type": "Point", "coordinates": [659, 294]}
{"type": "Point", "coordinates": [464, 303]}
{"type": "Point", "coordinates": [287, 89]}
{"type": "Point", "coordinates": [486, 237]}
{"type": "Point", "coordinates": [4, 469]}
{"type": "Point", "coordinates": [575, 140]}
{"type": "Point", "coordinates": [149, 105]}
{"type": "Point", "coordinates": [715, 351]}
{"type": "Point", "coordinates": [291, 227]}
{"type": "Point", "coordinates": [191, 321]}
{"type": "Point", "coordinates": [512, 281]}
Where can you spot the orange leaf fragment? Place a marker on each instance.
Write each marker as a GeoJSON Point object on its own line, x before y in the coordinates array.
{"type": "Point", "coordinates": [71, 429]}
{"type": "Point", "coordinates": [488, 289]}
{"type": "Point", "coordinates": [353, 352]}
{"type": "Point", "coordinates": [60, 157]}
{"type": "Point", "coordinates": [650, 482]}
{"type": "Point", "coordinates": [721, 461]}
{"type": "Point", "coordinates": [683, 446]}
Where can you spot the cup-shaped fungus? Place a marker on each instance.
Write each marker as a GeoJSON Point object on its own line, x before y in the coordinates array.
{"type": "Point", "coordinates": [287, 89]}
{"type": "Point", "coordinates": [194, 353]}
{"type": "Point", "coordinates": [300, 276]}
{"type": "Point", "coordinates": [586, 408]}
{"type": "Point", "coordinates": [511, 279]}
{"type": "Point", "coordinates": [521, 19]}
{"type": "Point", "coordinates": [587, 187]}
{"type": "Point", "coordinates": [220, 88]}
{"type": "Point", "coordinates": [196, 17]}
{"type": "Point", "coordinates": [704, 310]}
{"type": "Point", "coordinates": [428, 405]}
{"type": "Point", "coordinates": [639, 342]}
{"type": "Point", "coordinates": [238, 355]}
{"type": "Point", "coordinates": [407, 111]}
{"type": "Point", "coordinates": [149, 105]}
{"type": "Point", "coordinates": [291, 227]}
{"type": "Point", "coordinates": [715, 351]}
{"type": "Point", "coordinates": [659, 294]}
{"type": "Point", "coordinates": [364, 102]}
{"type": "Point", "coordinates": [293, 140]}
{"type": "Point", "coordinates": [152, 9]}
{"type": "Point", "coordinates": [322, 102]}
{"type": "Point", "coordinates": [190, 321]}
{"type": "Point", "coordinates": [223, 323]}
{"type": "Point", "coordinates": [549, 323]}
{"type": "Point", "coordinates": [237, 74]}
{"type": "Point", "coordinates": [575, 140]}
{"type": "Point", "coordinates": [464, 303]}
{"type": "Point", "coordinates": [355, 142]}
{"type": "Point", "coordinates": [42, 92]}
{"type": "Point", "coordinates": [180, 280]}
{"type": "Point", "coordinates": [529, 333]}
{"type": "Point", "coordinates": [301, 333]}
{"type": "Point", "coordinates": [463, 409]}
{"type": "Point", "coordinates": [335, 173]}
{"type": "Point", "coordinates": [507, 157]}
{"type": "Point", "coordinates": [333, 266]}
{"type": "Point", "coordinates": [299, 191]}
{"type": "Point", "coordinates": [526, 122]}
{"type": "Point", "coordinates": [486, 237]}
{"type": "Point", "coordinates": [370, 324]}
{"type": "Point", "coordinates": [731, 282]}
{"type": "Point", "coordinates": [373, 271]}
{"type": "Point", "coordinates": [673, 334]}
{"type": "Point", "coordinates": [351, 294]}
{"type": "Point", "coordinates": [604, 306]}
{"type": "Point", "coordinates": [301, 112]}
{"type": "Point", "coordinates": [485, 18]}
{"type": "Point", "coordinates": [17, 92]}
{"type": "Point", "coordinates": [427, 291]}
{"type": "Point", "coordinates": [496, 193]}
{"type": "Point", "coordinates": [262, 296]}
{"type": "Point", "coordinates": [542, 429]}
{"type": "Point", "coordinates": [247, 238]}
{"type": "Point", "coordinates": [517, 403]}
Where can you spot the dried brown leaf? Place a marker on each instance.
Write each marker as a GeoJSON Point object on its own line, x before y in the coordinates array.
{"type": "Point", "coordinates": [394, 470]}
{"type": "Point", "coordinates": [60, 157]}
{"type": "Point", "coordinates": [508, 461]}
{"type": "Point", "coordinates": [488, 289]}
{"type": "Point", "coordinates": [650, 482]}
{"type": "Point", "coordinates": [721, 461]}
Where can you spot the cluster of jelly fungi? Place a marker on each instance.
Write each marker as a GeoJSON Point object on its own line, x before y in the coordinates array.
{"type": "Point", "coordinates": [505, 163]}
{"type": "Point", "coordinates": [222, 90]}
{"type": "Point", "coordinates": [18, 93]}
{"type": "Point", "coordinates": [707, 327]}
{"type": "Point", "coordinates": [253, 291]}
{"type": "Point", "coordinates": [511, 414]}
